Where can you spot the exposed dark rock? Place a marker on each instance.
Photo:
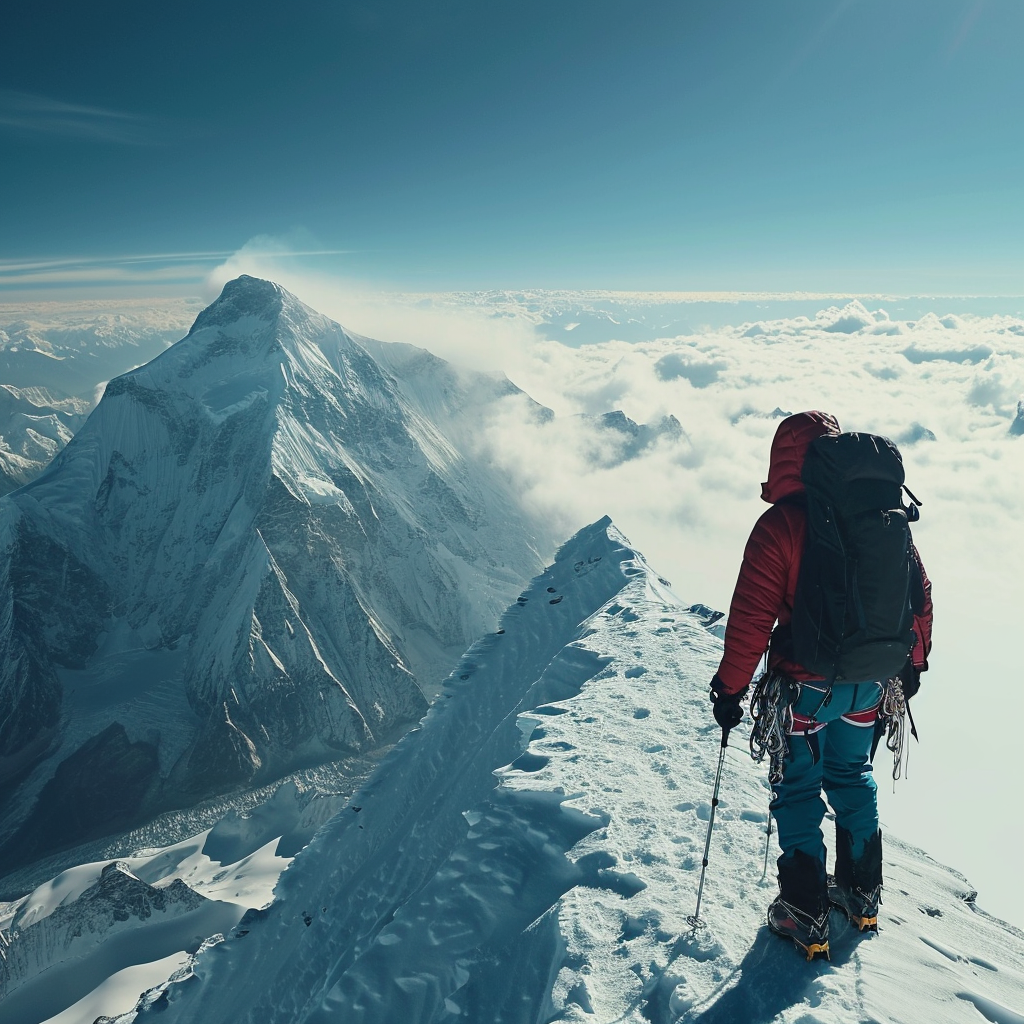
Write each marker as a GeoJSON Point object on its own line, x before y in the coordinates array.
{"type": "Point", "coordinates": [98, 790]}
{"type": "Point", "coordinates": [1017, 426]}
{"type": "Point", "coordinates": [37, 634]}
{"type": "Point", "coordinates": [46, 579]}
{"type": "Point", "coordinates": [244, 296]}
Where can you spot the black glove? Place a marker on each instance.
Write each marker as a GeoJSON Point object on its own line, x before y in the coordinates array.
{"type": "Point", "coordinates": [910, 679]}
{"type": "Point", "coordinates": [727, 709]}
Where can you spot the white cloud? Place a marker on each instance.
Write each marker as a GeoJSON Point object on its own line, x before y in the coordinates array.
{"type": "Point", "coordinates": [690, 509]}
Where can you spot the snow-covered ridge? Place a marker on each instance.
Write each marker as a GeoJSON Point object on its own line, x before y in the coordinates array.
{"type": "Point", "coordinates": [261, 551]}
{"type": "Point", "coordinates": [531, 852]}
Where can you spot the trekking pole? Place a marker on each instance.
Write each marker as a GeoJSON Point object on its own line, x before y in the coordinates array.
{"type": "Point", "coordinates": [767, 846]}
{"type": "Point", "coordinates": [695, 922]}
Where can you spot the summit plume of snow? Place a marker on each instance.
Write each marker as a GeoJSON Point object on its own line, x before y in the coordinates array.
{"type": "Point", "coordinates": [263, 549]}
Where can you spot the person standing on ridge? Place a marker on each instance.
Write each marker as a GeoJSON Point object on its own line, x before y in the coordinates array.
{"type": "Point", "coordinates": [829, 705]}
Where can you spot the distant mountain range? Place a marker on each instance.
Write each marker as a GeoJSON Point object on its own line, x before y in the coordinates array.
{"type": "Point", "coordinates": [54, 357]}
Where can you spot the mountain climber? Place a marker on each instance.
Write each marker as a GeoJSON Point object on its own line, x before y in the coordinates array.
{"type": "Point", "coordinates": [829, 723]}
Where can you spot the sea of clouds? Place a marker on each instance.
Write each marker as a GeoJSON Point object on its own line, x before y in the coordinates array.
{"type": "Point", "coordinates": [945, 386]}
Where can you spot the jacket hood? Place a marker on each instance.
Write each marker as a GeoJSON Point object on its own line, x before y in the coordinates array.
{"type": "Point", "coordinates": [789, 447]}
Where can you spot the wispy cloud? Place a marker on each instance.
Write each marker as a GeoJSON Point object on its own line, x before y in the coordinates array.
{"type": "Point", "coordinates": [971, 16]}
{"type": "Point", "coordinates": [29, 112]}
{"type": "Point", "coordinates": [131, 269]}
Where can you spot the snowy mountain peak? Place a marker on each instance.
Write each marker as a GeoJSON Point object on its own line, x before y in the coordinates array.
{"type": "Point", "coordinates": [529, 853]}
{"type": "Point", "coordinates": [263, 549]}
{"type": "Point", "coordinates": [241, 298]}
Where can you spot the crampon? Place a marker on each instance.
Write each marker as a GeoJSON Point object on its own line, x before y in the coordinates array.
{"type": "Point", "coordinates": [860, 908]}
{"type": "Point", "coordinates": [809, 934]}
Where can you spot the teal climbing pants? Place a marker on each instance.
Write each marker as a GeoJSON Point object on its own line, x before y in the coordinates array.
{"type": "Point", "coordinates": [829, 749]}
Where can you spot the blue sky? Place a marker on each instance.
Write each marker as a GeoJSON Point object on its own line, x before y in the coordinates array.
{"type": "Point", "coordinates": [861, 145]}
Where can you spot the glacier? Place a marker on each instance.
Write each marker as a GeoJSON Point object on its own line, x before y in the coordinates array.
{"type": "Point", "coordinates": [263, 549]}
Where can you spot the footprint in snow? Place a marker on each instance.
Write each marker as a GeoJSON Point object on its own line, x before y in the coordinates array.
{"type": "Point", "coordinates": [633, 927]}
{"type": "Point", "coordinates": [555, 600]}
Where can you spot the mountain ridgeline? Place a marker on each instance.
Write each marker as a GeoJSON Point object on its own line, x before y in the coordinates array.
{"type": "Point", "coordinates": [264, 549]}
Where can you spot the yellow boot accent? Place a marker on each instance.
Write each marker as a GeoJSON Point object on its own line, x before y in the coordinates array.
{"type": "Point", "coordinates": [815, 949]}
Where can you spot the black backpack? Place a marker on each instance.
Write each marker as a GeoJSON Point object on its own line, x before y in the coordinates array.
{"type": "Point", "coordinates": [859, 583]}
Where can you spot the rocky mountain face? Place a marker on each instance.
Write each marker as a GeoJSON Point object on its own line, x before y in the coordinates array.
{"type": "Point", "coordinates": [622, 439]}
{"type": "Point", "coordinates": [265, 548]}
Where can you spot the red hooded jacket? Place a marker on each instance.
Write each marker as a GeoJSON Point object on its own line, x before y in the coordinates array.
{"type": "Point", "coordinates": [771, 563]}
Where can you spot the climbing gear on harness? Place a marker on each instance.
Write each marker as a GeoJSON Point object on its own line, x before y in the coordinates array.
{"type": "Point", "coordinates": [893, 714]}
{"type": "Point", "coordinates": [771, 709]}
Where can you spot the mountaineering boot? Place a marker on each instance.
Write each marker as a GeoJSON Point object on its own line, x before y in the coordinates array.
{"type": "Point", "coordinates": [857, 885]}
{"type": "Point", "coordinates": [800, 911]}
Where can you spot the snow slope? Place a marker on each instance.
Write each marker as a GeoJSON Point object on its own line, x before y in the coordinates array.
{"type": "Point", "coordinates": [264, 549]}
{"type": "Point", "coordinates": [531, 852]}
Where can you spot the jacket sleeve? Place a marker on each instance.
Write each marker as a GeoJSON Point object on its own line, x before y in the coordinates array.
{"type": "Point", "coordinates": [923, 620]}
{"type": "Point", "coordinates": [759, 596]}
